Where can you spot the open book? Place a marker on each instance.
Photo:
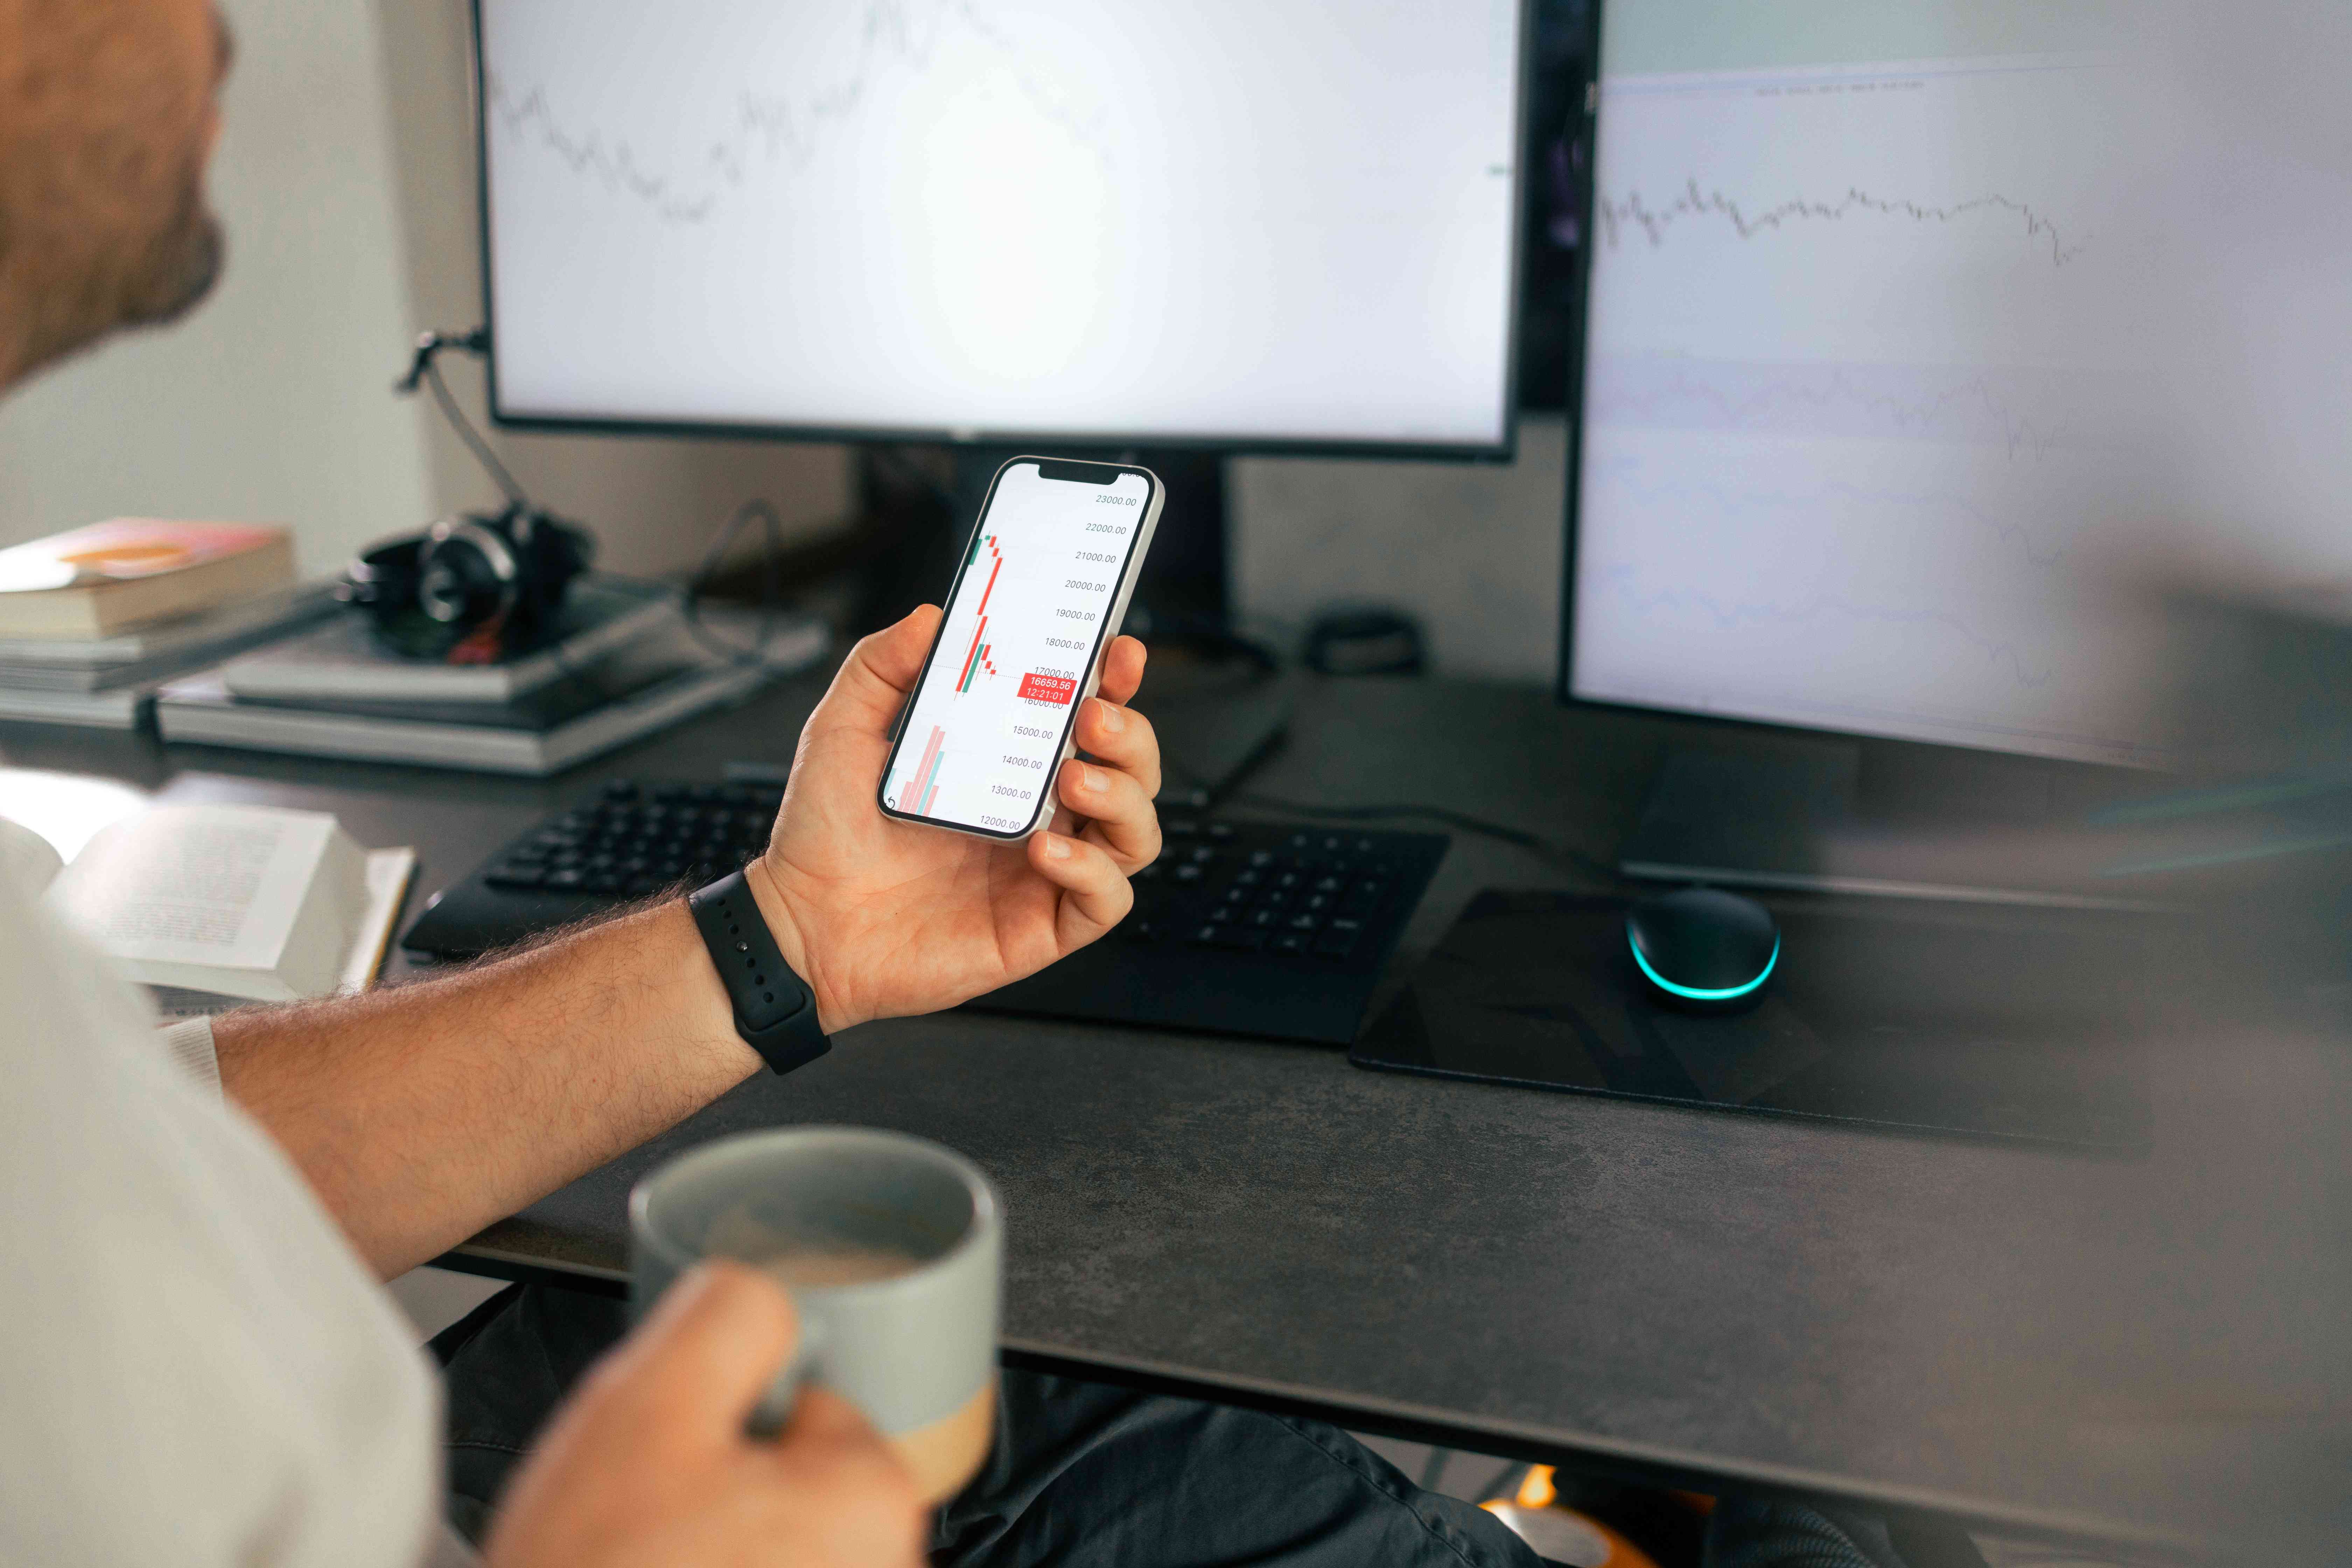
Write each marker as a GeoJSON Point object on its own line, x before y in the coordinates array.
{"type": "Point", "coordinates": [213, 905]}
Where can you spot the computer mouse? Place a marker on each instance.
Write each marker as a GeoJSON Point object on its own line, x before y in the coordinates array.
{"type": "Point", "coordinates": [1701, 950]}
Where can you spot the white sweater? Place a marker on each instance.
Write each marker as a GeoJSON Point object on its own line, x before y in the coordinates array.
{"type": "Point", "coordinates": [196, 1368]}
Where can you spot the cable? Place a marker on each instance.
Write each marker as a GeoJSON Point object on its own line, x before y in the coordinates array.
{"type": "Point", "coordinates": [473, 437]}
{"type": "Point", "coordinates": [423, 369]}
{"type": "Point", "coordinates": [772, 608]}
{"type": "Point", "coordinates": [1446, 814]}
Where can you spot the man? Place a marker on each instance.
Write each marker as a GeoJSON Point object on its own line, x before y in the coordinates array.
{"type": "Point", "coordinates": [196, 1367]}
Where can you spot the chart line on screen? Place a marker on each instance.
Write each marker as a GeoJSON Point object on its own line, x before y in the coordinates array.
{"type": "Point", "coordinates": [789, 130]}
{"type": "Point", "coordinates": [1654, 222]}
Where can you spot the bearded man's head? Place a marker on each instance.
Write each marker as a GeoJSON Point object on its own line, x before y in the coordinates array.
{"type": "Point", "coordinates": [108, 109]}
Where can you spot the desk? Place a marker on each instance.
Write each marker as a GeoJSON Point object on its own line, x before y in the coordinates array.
{"type": "Point", "coordinates": [2033, 1339]}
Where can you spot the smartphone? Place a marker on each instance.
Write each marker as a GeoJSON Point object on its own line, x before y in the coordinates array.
{"type": "Point", "coordinates": [1042, 590]}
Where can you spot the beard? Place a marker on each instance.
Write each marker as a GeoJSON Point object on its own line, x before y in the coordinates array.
{"type": "Point", "coordinates": [147, 282]}
{"type": "Point", "coordinates": [176, 268]}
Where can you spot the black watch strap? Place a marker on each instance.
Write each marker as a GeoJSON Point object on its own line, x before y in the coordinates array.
{"type": "Point", "coordinates": [775, 1011]}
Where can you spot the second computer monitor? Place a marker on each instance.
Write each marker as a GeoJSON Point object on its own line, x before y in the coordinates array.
{"type": "Point", "coordinates": [1254, 223]}
{"type": "Point", "coordinates": [1850, 455]}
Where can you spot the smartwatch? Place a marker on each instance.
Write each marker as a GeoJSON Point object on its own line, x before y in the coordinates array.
{"type": "Point", "coordinates": [775, 1011]}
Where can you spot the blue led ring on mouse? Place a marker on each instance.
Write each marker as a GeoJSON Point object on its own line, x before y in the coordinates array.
{"type": "Point", "coordinates": [1700, 950]}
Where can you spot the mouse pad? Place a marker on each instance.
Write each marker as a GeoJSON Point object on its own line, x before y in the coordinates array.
{"type": "Point", "coordinates": [1992, 1022]}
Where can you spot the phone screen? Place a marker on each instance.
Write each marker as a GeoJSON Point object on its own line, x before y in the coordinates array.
{"type": "Point", "coordinates": [1024, 623]}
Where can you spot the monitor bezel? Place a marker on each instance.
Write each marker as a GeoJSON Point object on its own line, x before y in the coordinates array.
{"type": "Point", "coordinates": [1504, 450]}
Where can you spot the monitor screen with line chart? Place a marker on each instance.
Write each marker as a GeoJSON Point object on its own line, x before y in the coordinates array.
{"type": "Point", "coordinates": [1848, 442]}
{"type": "Point", "coordinates": [1253, 224]}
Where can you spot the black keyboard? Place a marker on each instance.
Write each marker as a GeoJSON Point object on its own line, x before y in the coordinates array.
{"type": "Point", "coordinates": [636, 840]}
{"type": "Point", "coordinates": [1246, 928]}
{"type": "Point", "coordinates": [1243, 928]}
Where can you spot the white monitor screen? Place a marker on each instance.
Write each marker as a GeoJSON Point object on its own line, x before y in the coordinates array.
{"type": "Point", "coordinates": [1843, 460]}
{"type": "Point", "coordinates": [1262, 222]}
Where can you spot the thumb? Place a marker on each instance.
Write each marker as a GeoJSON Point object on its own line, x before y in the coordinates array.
{"type": "Point", "coordinates": [712, 1345]}
{"type": "Point", "coordinates": [873, 683]}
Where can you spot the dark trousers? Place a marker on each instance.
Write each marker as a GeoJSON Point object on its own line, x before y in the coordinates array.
{"type": "Point", "coordinates": [1081, 1472]}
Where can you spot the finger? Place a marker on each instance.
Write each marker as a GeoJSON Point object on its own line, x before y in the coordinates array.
{"type": "Point", "coordinates": [872, 684]}
{"type": "Point", "coordinates": [1123, 738]}
{"type": "Point", "coordinates": [711, 1346]}
{"type": "Point", "coordinates": [1120, 813]}
{"type": "Point", "coordinates": [870, 1511]}
{"type": "Point", "coordinates": [1122, 669]}
{"type": "Point", "coordinates": [1094, 892]}
{"type": "Point", "coordinates": [821, 1415]}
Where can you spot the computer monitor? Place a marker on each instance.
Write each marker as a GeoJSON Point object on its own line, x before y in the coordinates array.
{"type": "Point", "coordinates": [1245, 224]}
{"type": "Point", "coordinates": [1843, 443]}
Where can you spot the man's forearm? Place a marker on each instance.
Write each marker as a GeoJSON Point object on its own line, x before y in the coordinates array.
{"type": "Point", "coordinates": [421, 1114]}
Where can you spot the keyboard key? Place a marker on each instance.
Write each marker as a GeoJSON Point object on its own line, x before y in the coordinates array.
{"type": "Point", "coordinates": [1290, 943]}
{"type": "Point", "coordinates": [1180, 827]}
{"type": "Point", "coordinates": [1204, 856]}
{"type": "Point", "coordinates": [1138, 930]}
{"type": "Point", "coordinates": [1305, 923]}
{"type": "Point", "coordinates": [1261, 858]}
{"type": "Point", "coordinates": [1220, 830]}
{"type": "Point", "coordinates": [1264, 917]}
{"type": "Point", "coordinates": [1241, 939]}
{"type": "Point", "coordinates": [566, 880]}
{"type": "Point", "coordinates": [1188, 873]}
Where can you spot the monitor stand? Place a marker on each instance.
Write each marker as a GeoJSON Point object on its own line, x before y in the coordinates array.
{"type": "Point", "coordinates": [1873, 817]}
{"type": "Point", "coordinates": [1183, 590]}
{"type": "Point", "coordinates": [1216, 715]}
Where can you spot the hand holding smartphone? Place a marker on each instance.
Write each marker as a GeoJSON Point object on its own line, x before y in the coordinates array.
{"type": "Point", "coordinates": [1044, 585]}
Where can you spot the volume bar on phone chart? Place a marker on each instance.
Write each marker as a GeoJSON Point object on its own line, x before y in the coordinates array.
{"type": "Point", "coordinates": [923, 785]}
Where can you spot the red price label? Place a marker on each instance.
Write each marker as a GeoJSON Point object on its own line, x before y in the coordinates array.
{"type": "Point", "coordinates": [1051, 689]}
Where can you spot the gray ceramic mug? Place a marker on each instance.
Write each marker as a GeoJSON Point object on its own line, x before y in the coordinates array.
{"type": "Point", "coordinates": [893, 1249]}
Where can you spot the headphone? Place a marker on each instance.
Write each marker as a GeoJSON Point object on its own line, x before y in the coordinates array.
{"type": "Point", "coordinates": [470, 586]}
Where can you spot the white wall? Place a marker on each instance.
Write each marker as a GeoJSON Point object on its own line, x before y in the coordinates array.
{"type": "Point", "coordinates": [654, 501]}
{"type": "Point", "coordinates": [270, 402]}
{"type": "Point", "coordinates": [345, 178]}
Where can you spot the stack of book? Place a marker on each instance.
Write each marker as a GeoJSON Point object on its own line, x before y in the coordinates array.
{"type": "Point", "coordinates": [92, 620]}
{"type": "Point", "coordinates": [620, 661]}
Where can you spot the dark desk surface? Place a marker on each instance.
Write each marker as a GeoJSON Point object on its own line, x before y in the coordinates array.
{"type": "Point", "coordinates": [2144, 1348]}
